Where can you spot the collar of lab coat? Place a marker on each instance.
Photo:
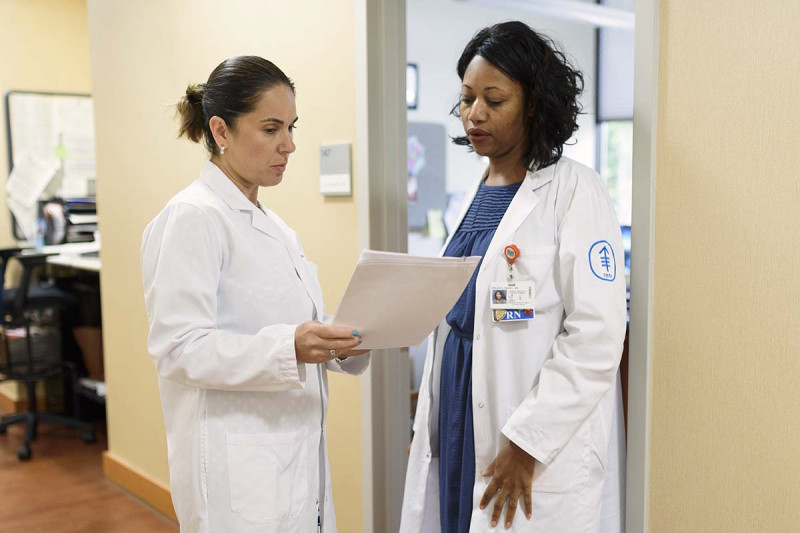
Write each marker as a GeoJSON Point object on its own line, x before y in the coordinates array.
{"type": "Point", "coordinates": [223, 187]}
{"type": "Point", "coordinates": [521, 206]}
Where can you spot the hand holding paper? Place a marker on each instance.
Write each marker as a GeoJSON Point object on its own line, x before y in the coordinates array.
{"type": "Point", "coordinates": [397, 299]}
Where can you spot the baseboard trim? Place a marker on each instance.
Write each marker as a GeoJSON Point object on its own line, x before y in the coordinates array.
{"type": "Point", "coordinates": [139, 485]}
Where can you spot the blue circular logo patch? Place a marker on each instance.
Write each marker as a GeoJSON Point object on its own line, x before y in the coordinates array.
{"type": "Point", "coordinates": [602, 261]}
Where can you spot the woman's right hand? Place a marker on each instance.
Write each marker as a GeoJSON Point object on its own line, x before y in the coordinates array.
{"type": "Point", "coordinates": [313, 342]}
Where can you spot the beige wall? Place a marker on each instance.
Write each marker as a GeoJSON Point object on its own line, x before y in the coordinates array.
{"type": "Point", "coordinates": [725, 452]}
{"type": "Point", "coordinates": [44, 46]}
{"type": "Point", "coordinates": [144, 54]}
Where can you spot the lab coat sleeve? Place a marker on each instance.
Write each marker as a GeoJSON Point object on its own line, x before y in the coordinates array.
{"type": "Point", "coordinates": [355, 365]}
{"type": "Point", "coordinates": [586, 354]}
{"type": "Point", "coordinates": [182, 262]}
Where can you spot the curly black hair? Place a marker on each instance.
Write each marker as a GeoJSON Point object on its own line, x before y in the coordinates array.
{"type": "Point", "coordinates": [550, 84]}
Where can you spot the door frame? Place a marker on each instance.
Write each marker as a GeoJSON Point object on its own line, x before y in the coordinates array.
{"type": "Point", "coordinates": [381, 126]}
{"type": "Point", "coordinates": [645, 124]}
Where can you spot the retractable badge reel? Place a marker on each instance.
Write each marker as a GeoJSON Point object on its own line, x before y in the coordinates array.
{"type": "Point", "coordinates": [512, 253]}
{"type": "Point", "coordinates": [513, 300]}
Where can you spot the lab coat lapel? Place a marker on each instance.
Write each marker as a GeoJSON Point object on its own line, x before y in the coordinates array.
{"type": "Point", "coordinates": [223, 187]}
{"type": "Point", "coordinates": [271, 224]}
{"type": "Point", "coordinates": [519, 209]}
{"type": "Point", "coordinates": [300, 265]}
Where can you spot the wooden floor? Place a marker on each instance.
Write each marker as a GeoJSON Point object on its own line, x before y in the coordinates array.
{"type": "Point", "coordinates": [62, 489]}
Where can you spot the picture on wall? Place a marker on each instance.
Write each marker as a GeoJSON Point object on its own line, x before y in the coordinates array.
{"type": "Point", "coordinates": [412, 86]}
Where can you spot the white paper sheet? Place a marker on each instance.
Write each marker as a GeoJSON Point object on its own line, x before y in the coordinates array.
{"type": "Point", "coordinates": [395, 300]}
{"type": "Point", "coordinates": [25, 184]}
{"type": "Point", "coordinates": [56, 126]}
{"type": "Point", "coordinates": [30, 177]}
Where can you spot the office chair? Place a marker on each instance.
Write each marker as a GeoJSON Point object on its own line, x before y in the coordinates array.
{"type": "Point", "coordinates": [16, 309]}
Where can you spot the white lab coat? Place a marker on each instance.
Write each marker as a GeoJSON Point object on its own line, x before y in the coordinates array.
{"type": "Point", "coordinates": [225, 286]}
{"type": "Point", "coordinates": [549, 384]}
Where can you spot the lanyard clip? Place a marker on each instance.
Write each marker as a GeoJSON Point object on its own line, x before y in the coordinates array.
{"type": "Point", "coordinates": [511, 253]}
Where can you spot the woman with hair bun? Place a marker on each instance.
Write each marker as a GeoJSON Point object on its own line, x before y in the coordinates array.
{"type": "Point", "coordinates": [234, 309]}
{"type": "Point", "coordinates": [520, 401]}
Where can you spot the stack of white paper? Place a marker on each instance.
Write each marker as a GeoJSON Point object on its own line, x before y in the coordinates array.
{"type": "Point", "coordinates": [395, 300]}
{"type": "Point", "coordinates": [25, 185]}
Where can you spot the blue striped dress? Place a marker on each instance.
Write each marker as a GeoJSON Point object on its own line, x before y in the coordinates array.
{"type": "Point", "coordinates": [456, 436]}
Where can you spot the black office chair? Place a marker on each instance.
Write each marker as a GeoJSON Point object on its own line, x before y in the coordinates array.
{"type": "Point", "coordinates": [17, 307]}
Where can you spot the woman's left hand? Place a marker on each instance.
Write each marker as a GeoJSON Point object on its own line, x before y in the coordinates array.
{"type": "Point", "coordinates": [512, 472]}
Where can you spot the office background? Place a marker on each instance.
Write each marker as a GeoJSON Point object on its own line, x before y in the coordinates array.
{"type": "Point", "coordinates": [724, 407]}
{"type": "Point", "coordinates": [44, 46]}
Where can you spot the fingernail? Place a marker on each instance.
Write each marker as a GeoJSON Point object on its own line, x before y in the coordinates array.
{"type": "Point", "coordinates": [483, 507]}
{"type": "Point", "coordinates": [508, 525]}
{"type": "Point", "coordinates": [494, 523]}
{"type": "Point", "coordinates": [355, 333]}
{"type": "Point", "coordinates": [359, 340]}
{"type": "Point", "coordinates": [528, 516]}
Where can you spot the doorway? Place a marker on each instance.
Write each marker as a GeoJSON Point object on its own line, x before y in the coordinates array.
{"type": "Point", "coordinates": [397, 218]}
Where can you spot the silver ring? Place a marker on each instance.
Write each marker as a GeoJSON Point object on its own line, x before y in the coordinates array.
{"type": "Point", "coordinates": [332, 353]}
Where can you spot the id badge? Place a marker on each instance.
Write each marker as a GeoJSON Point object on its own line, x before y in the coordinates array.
{"type": "Point", "coordinates": [512, 301]}
{"type": "Point", "coordinates": [511, 315]}
{"type": "Point", "coordinates": [517, 295]}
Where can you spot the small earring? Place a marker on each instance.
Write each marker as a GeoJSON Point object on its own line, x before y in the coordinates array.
{"type": "Point", "coordinates": [222, 150]}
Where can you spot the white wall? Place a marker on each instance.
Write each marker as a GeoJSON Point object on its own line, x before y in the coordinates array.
{"type": "Point", "coordinates": [438, 30]}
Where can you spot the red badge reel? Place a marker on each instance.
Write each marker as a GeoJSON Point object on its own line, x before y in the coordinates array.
{"type": "Point", "coordinates": [511, 254]}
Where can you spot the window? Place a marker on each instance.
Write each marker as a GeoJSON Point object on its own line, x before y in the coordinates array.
{"type": "Point", "coordinates": [616, 164]}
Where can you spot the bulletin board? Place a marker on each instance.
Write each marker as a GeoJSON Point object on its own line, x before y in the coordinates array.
{"type": "Point", "coordinates": [40, 123]}
{"type": "Point", "coordinates": [427, 171]}
{"type": "Point", "coordinates": [56, 130]}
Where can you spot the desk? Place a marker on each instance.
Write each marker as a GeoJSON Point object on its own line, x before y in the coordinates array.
{"type": "Point", "coordinates": [75, 255]}
{"type": "Point", "coordinates": [91, 264]}
{"type": "Point", "coordinates": [86, 334]}
{"type": "Point", "coordinates": [83, 256]}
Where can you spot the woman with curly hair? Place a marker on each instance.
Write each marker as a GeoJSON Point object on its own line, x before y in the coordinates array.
{"type": "Point", "coordinates": [520, 400]}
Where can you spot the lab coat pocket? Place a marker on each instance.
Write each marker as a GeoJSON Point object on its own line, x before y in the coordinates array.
{"type": "Point", "coordinates": [537, 264]}
{"type": "Point", "coordinates": [268, 475]}
{"type": "Point", "coordinates": [568, 472]}
{"type": "Point", "coordinates": [600, 438]}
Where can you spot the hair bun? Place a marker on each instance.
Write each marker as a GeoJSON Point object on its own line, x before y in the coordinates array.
{"type": "Point", "coordinates": [194, 93]}
{"type": "Point", "coordinates": [190, 113]}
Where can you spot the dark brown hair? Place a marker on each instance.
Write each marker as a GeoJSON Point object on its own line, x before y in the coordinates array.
{"type": "Point", "coordinates": [551, 86]}
{"type": "Point", "coordinates": [232, 89]}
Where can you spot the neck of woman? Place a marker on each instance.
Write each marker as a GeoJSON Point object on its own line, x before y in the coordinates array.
{"type": "Point", "coordinates": [248, 189]}
{"type": "Point", "coordinates": [505, 170]}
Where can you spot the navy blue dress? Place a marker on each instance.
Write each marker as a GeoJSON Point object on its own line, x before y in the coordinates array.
{"type": "Point", "coordinates": [456, 435]}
